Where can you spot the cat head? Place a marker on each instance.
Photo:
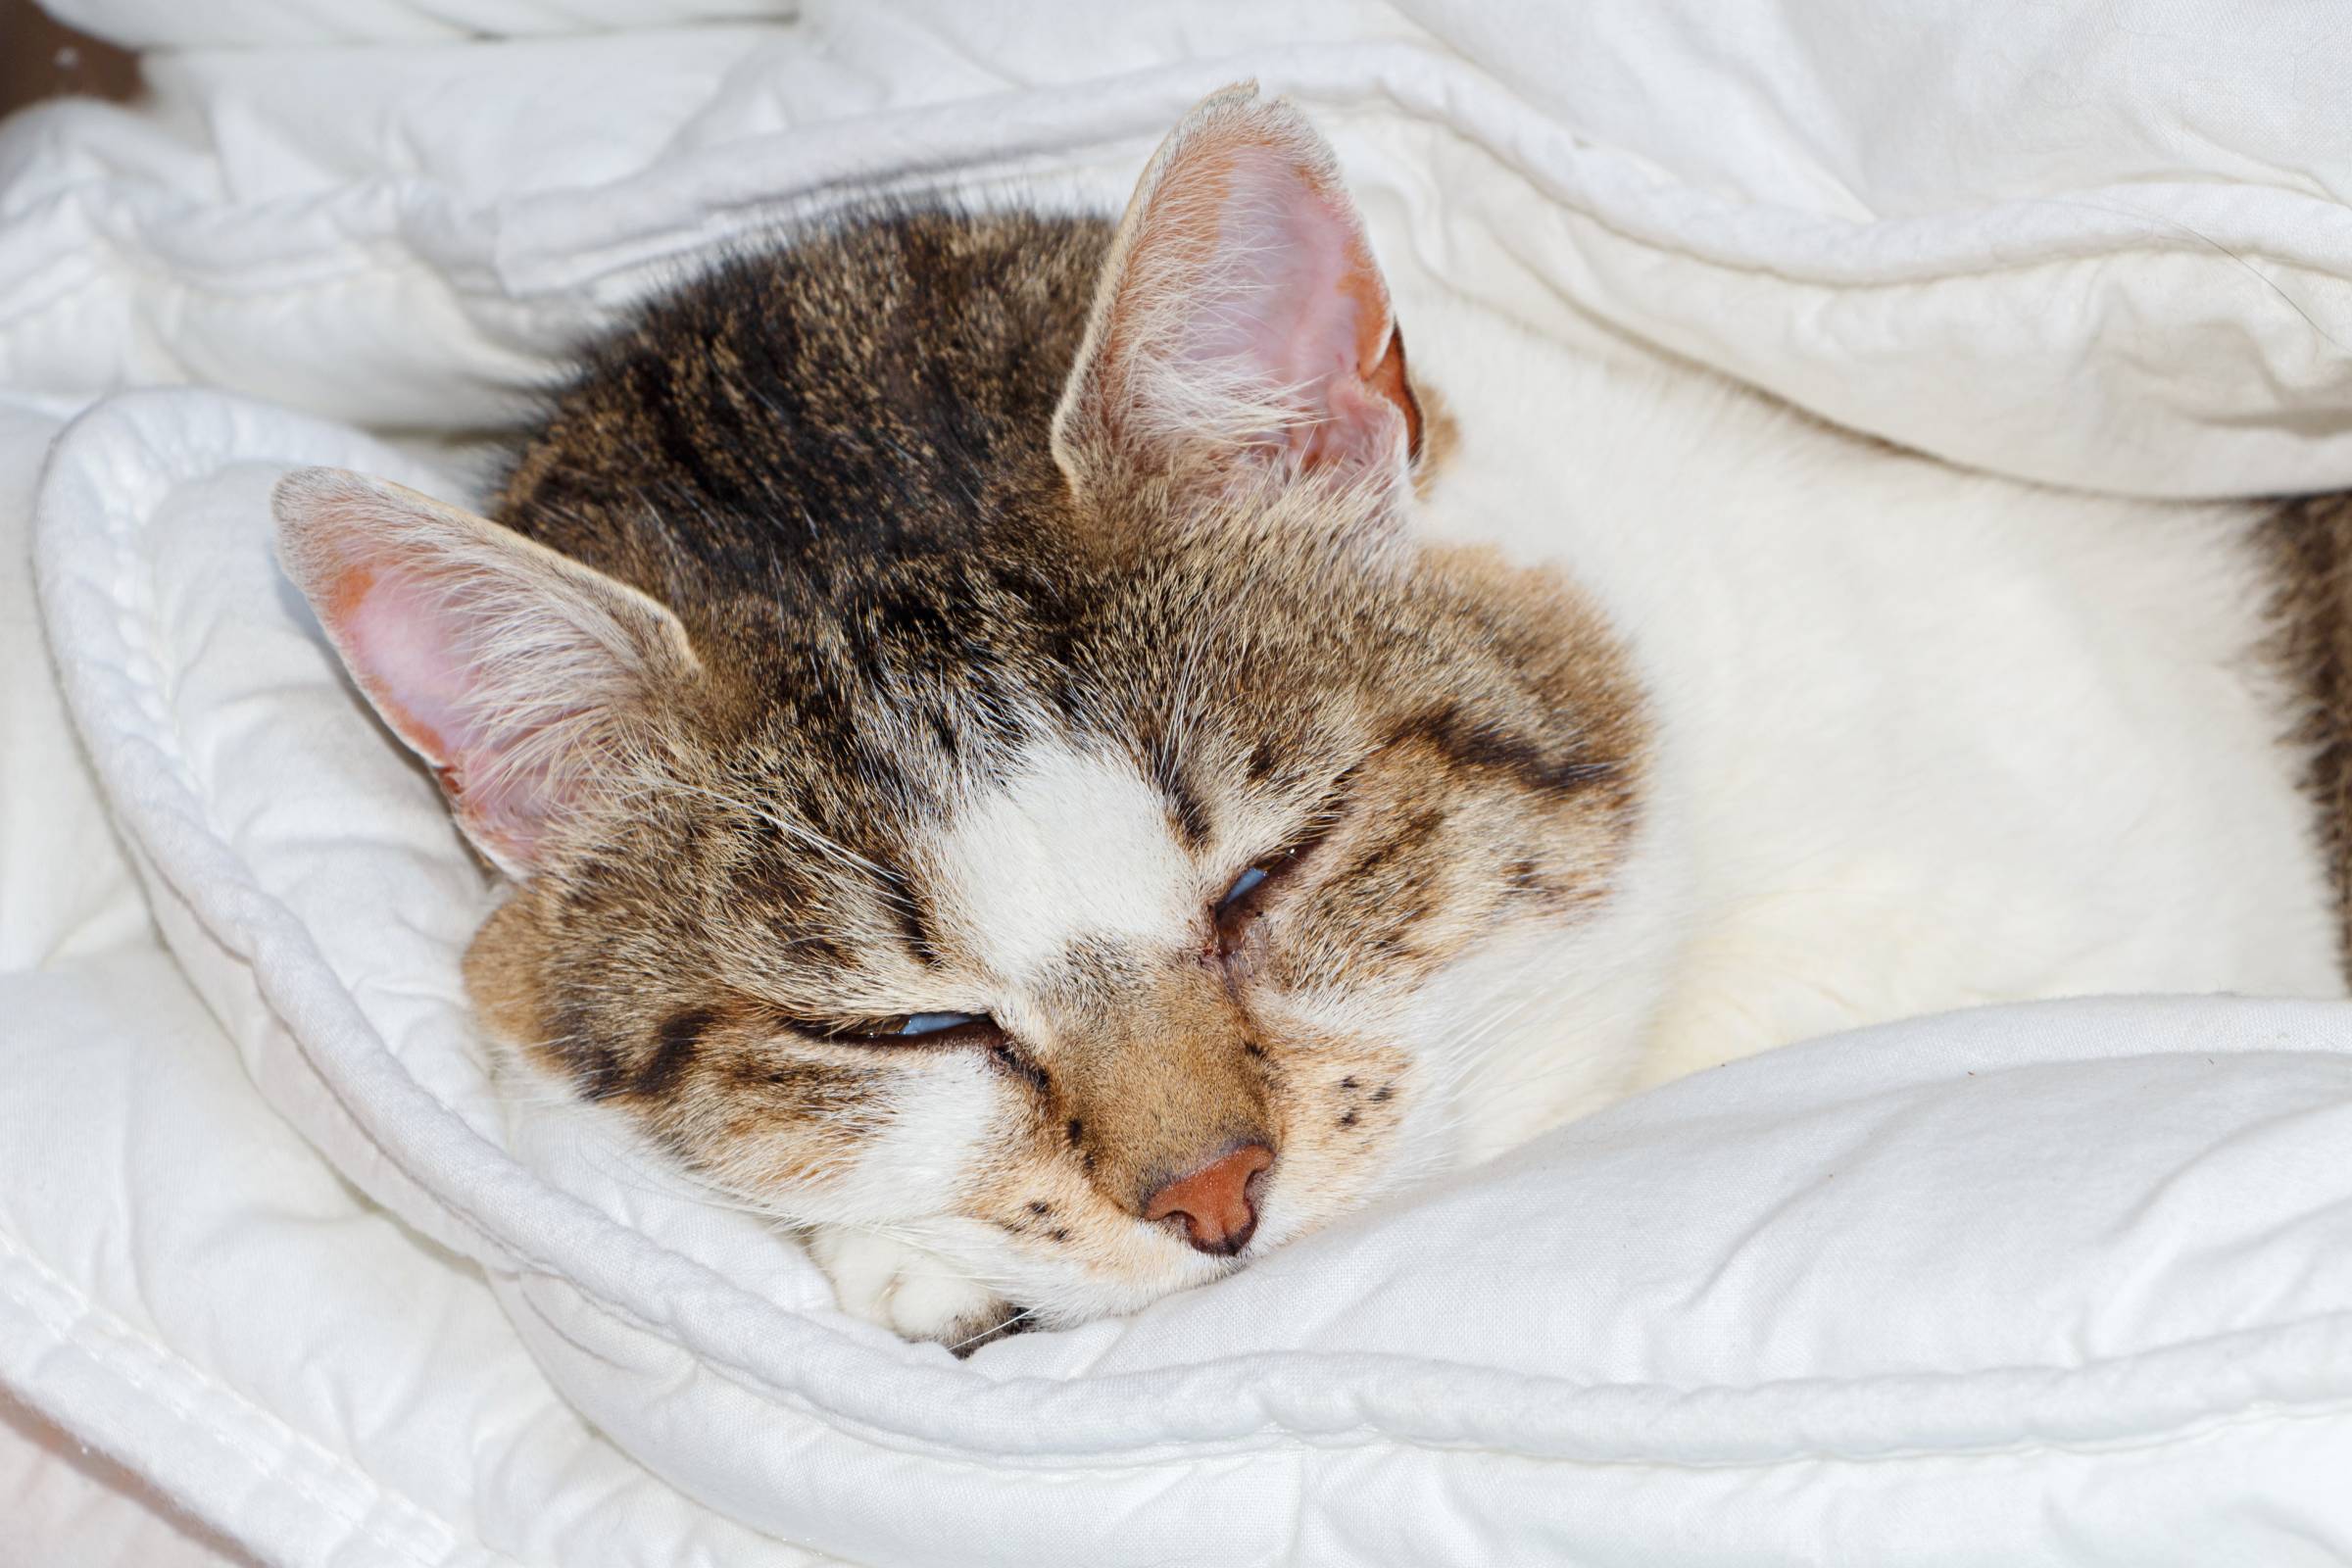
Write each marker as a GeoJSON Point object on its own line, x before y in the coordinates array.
{"type": "Point", "coordinates": [1096, 872]}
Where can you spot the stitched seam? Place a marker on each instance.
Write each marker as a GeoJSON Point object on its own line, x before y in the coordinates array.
{"type": "Point", "coordinates": [1279, 1442]}
{"type": "Point", "coordinates": [115, 1346]}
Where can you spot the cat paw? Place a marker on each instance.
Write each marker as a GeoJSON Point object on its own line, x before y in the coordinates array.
{"type": "Point", "coordinates": [914, 1293]}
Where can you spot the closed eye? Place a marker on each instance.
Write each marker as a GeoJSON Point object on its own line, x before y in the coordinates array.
{"type": "Point", "coordinates": [904, 1028]}
{"type": "Point", "coordinates": [931, 1023]}
{"type": "Point", "coordinates": [1242, 885]}
{"type": "Point", "coordinates": [1236, 908]}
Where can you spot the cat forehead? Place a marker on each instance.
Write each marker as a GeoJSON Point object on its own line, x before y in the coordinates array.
{"type": "Point", "coordinates": [1071, 846]}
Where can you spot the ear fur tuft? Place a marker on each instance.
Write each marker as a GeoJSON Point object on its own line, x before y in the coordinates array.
{"type": "Point", "coordinates": [515, 672]}
{"type": "Point", "coordinates": [1240, 314]}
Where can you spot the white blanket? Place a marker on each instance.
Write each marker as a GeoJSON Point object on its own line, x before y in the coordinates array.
{"type": "Point", "coordinates": [2053, 1285]}
{"type": "Point", "coordinates": [2099, 245]}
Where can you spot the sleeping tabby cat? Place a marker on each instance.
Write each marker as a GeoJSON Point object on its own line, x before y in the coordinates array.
{"type": "Point", "coordinates": [1045, 755]}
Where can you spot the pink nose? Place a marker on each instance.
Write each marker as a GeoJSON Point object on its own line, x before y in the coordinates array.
{"type": "Point", "coordinates": [1214, 1201]}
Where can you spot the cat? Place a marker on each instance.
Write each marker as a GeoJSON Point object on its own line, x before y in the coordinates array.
{"type": "Point", "coordinates": [1046, 756]}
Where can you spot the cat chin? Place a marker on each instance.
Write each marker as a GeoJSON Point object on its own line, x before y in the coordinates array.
{"type": "Point", "coordinates": [959, 1280]}
{"type": "Point", "coordinates": [946, 1268]}
{"type": "Point", "coordinates": [1132, 1266]}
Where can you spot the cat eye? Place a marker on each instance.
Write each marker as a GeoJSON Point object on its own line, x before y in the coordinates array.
{"type": "Point", "coordinates": [1242, 885]}
{"type": "Point", "coordinates": [1237, 907]}
{"type": "Point", "coordinates": [932, 1023]}
{"type": "Point", "coordinates": [905, 1028]}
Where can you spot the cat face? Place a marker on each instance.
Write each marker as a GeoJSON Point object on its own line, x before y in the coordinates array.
{"type": "Point", "coordinates": [1104, 883]}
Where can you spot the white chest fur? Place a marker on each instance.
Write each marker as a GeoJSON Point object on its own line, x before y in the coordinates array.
{"type": "Point", "coordinates": [1926, 738]}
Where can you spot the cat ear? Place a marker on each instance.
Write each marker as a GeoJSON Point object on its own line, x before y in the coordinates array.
{"type": "Point", "coordinates": [1240, 316]}
{"type": "Point", "coordinates": [511, 669]}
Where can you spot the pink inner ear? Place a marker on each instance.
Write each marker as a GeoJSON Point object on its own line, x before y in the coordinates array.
{"type": "Point", "coordinates": [393, 631]}
{"type": "Point", "coordinates": [1287, 261]}
{"type": "Point", "coordinates": [415, 649]}
{"type": "Point", "coordinates": [1292, 293]}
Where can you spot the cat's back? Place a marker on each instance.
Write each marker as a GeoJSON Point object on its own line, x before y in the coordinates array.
{"type": "Point", "coordinates": [876, 387]}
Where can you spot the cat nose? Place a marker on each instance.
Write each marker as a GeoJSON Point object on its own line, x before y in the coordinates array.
{"type": "Point", "coordinates": [1214, 1201]}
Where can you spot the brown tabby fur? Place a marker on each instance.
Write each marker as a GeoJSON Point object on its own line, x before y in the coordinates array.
{"type": "Point", "coordinates": [2310, 545]}
{"type": "Point", "coordinates": [832, 463]}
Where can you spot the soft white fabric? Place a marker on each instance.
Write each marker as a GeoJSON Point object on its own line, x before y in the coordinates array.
{"type": "Point", "coordinates": [2102, 245]}
{"type": "Point", "coordinates": [66, 1505]}
{"type": "Point", "coordinates": [174, 23]}
{"type": "Point", "coordinates": [2063, 1285]}
{"type": "Point", "coordinates": [213, 1351]}
{"type": "Point", "coordinates": [66, 890]}
{"type": "Point", "coordinates": [187, 1289]}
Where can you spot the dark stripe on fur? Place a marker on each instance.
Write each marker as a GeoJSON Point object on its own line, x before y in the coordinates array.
{"type": "Point", "coordinates": [675, 1045]}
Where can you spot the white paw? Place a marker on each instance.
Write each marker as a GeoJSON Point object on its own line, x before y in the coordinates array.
{"type": "Point", "coordinates": [914, 1293]}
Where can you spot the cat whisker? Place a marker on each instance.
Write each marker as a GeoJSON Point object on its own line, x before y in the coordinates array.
{"type": "Point", "coordinates": [1023, 1315]}
{"type": "Point", "coordinates": [800, 832]}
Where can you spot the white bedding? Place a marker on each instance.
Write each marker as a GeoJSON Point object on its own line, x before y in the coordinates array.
{"type": "Point", "coordinates": [2068, 1284]}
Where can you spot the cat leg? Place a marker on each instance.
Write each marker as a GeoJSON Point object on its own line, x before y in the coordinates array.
{"type": "Point", "coordinates": [914, 1293]}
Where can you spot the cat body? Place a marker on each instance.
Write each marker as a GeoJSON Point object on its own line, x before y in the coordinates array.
{"type": "Point", "coordinates": [1047, 757]}
{"type": "Point", "coordinates": [1924, 738]}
